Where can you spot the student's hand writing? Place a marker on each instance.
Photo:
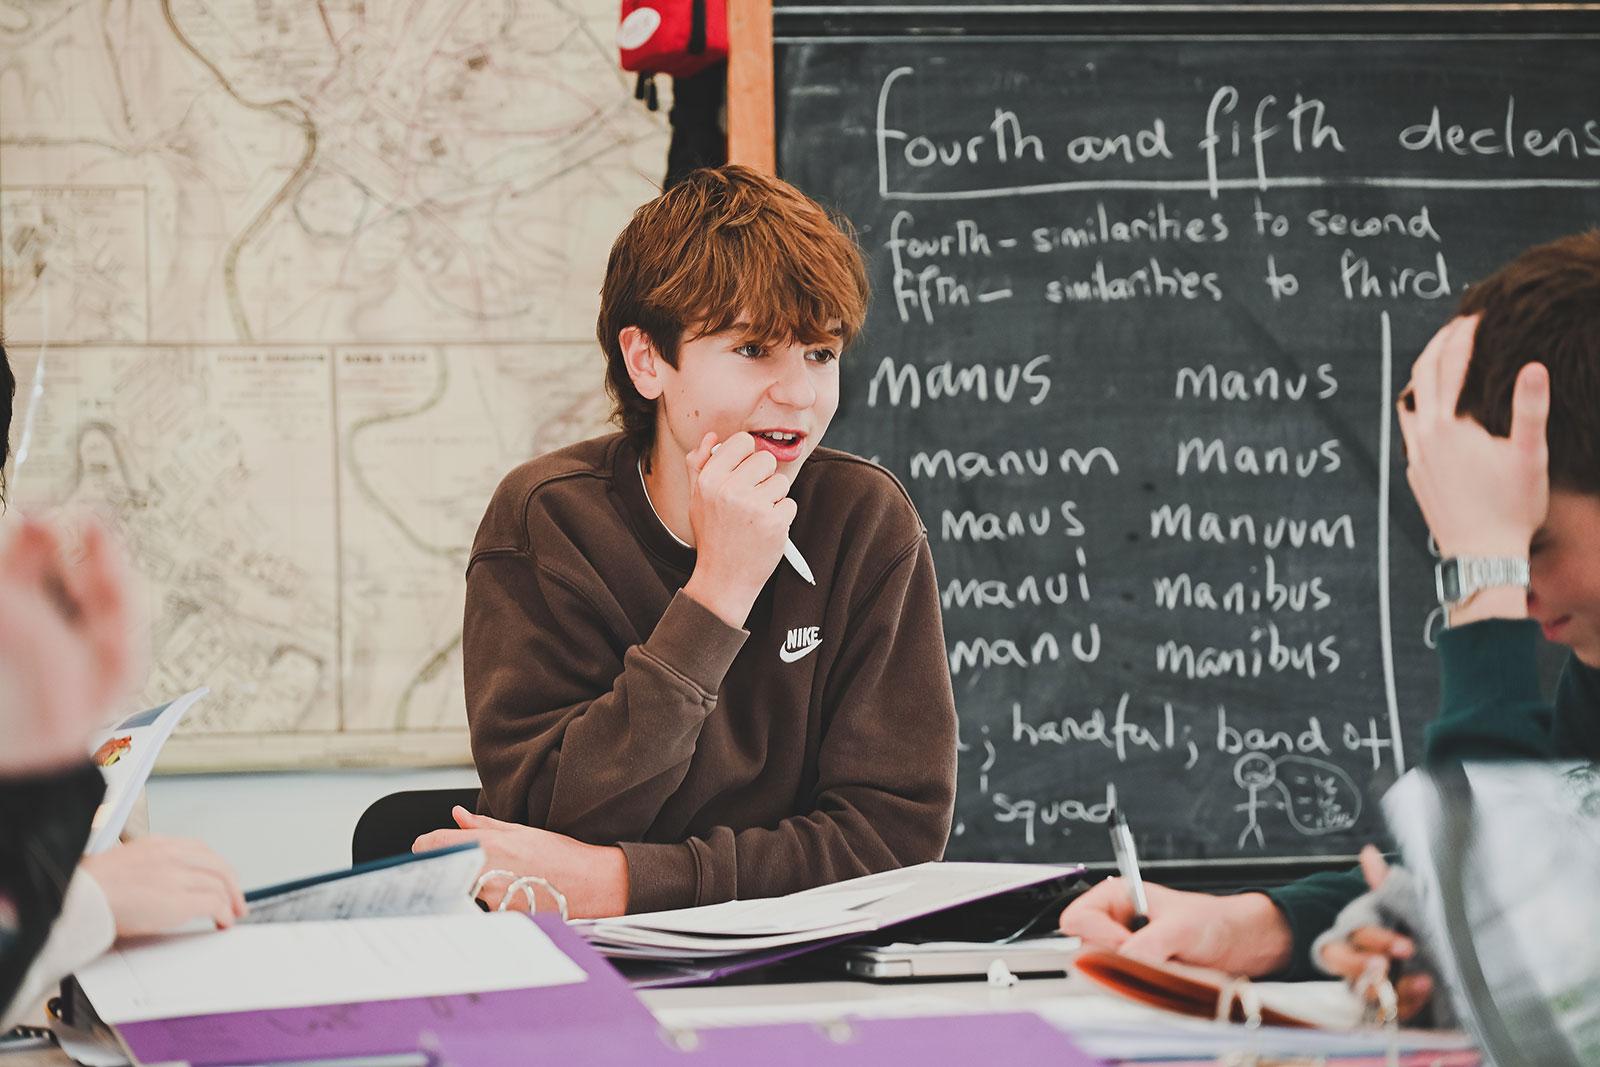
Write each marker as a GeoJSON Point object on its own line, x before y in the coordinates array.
{"type": "Point", "coordinates": [740, 510]}
{"type": "Point", "coordinates": [593, 878]}
{"type": "Point", "coordinates": [1481, 495]}
{"type": "Point", "coordinates": [1244, 934]}
{"type": "Point", "coordinates": [66, 646]}
{"type": "Point", "coordinates": [1369, 949]}
{"type": "Point", "coordinates": [157, 884]}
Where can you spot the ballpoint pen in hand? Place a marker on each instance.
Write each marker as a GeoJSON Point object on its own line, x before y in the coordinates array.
{"type": "Point", "coordinates": [1128, 867]}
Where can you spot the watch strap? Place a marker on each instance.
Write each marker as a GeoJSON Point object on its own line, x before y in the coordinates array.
{"type": "Point", "coordinates": [1460, 578]}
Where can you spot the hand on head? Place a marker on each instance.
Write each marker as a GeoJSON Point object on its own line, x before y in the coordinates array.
{"type": "Point", "coordinates": [1481, 495]}
{"type": "Point", "coordinates": [1371, 950]}
{"type": "Point", "coordinates": [740, 511]}
{"type": "Point", "coordinates": [1243, 934]}
{"type": "Point", "coordinates": [66, 645]}
{"type": "Point", "coordinates": [157, 884]}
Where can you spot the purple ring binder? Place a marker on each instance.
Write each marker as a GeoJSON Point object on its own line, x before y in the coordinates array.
{"type": "Point", "coordinates": [372, 1028]}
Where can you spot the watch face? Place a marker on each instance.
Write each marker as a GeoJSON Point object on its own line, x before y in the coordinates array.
{"type": "Point", "coordinates": [1448, 579]}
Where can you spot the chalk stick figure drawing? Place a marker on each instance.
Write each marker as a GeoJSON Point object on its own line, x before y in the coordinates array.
{"type": "Point", "coordinates": [1255, 772]}
{"type": "Point", "coordinates": [1318, 797]}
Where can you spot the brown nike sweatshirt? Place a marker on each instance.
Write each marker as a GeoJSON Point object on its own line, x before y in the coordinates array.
{"type": "Point", "coordinates": [816, 744]}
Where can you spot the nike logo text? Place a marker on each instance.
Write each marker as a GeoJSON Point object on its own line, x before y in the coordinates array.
{"type": "Point", "coordinates": [800, 642]}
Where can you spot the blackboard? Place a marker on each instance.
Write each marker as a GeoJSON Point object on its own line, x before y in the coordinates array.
{"type": "Point", "coordinates": [1141, 308]}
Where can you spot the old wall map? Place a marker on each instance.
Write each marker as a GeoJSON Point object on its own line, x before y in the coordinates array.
{"type": "Point", "coordinates": [300, 281]}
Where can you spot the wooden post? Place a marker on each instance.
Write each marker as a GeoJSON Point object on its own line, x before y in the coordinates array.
{"type": "Point", "coordinates": [750, 97]}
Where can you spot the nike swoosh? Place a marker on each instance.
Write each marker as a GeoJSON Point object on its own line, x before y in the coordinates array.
{"type": "Point", "coordinates": [800, 653]}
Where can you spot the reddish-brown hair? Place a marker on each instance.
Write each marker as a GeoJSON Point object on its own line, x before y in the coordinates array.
{"type": "Point", "coordinates": [726, 246]}
{"type": "Point", "coordinates": [1543, 306]}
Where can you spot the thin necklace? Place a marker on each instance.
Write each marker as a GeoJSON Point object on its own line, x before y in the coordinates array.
{"type": "Point", "coordinates": [646, 487]}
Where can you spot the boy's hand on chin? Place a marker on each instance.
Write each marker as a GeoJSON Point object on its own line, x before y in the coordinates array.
{"type": "Point", "coordinates": [1481, 495]}
{"type": "Point", "coordinates": [740, 510]}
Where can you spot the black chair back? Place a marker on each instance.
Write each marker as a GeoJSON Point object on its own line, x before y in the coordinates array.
{"type": "Point", "coordinates": [392, 823]}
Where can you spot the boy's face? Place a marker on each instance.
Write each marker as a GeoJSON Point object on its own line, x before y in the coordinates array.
{"type": "Point", "coordinates": [1565, 595]}
{"type": "Point", "coordinates": [784, 395]}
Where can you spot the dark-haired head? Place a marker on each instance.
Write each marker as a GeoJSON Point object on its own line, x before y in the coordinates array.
{"type": "Point", "coordinates": [1543, 306]}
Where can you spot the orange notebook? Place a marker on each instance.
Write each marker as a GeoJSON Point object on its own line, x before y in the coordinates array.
{"type": "Point", "coordinates": [1185, 990]}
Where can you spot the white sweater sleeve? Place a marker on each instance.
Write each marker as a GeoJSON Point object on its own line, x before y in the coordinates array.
{"type": "Point", "coordinates": [84, 929]}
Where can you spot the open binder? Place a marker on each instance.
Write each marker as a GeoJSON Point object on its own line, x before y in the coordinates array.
{"type": "Point", "coordinates": [693, 945]}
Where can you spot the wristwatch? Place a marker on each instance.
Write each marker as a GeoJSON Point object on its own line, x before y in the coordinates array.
{"type": "Point", "coordinates": [1460, 578]}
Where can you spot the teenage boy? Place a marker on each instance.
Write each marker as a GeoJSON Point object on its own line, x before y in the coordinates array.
{"type": "Point", "coordinates": [1504, 460]}
{"type": "Point", "coordinates": [665, 710]}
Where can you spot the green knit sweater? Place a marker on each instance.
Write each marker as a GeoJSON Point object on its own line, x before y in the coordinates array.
{"type": "Point", "coordinates": [1490, 708]}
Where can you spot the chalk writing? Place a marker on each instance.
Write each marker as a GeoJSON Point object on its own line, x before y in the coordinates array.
{"type": "Point", "coordinates": [1143, 310]}
{"type": "Point", "coordinates": [946, 381]}
{"type": "Point", "coordinates": [1180, 523]}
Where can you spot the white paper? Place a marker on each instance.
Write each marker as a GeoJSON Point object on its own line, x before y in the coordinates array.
{"type": "Point", "coordinates": [664, 945]}
{"type": "Point", "coordinates": [291, 965]}
{"type": "Point", "coordinates": [1051, 945]}
{"type": "Point", "coordinates": [426, 885]}
{"type": "Point", "coordinates": [799, 913]}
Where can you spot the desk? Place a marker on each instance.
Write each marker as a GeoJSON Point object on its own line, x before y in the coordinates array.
{"type": "Point", "coordinates": [1061, 1000]}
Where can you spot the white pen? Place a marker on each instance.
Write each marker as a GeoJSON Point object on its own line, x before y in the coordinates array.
{"type": "Point", "coordinates": [1128, 866]}
{"type": "Point", "coordinates": [790, 553]}
{"type": "Point", "coordinates": [797, 561]}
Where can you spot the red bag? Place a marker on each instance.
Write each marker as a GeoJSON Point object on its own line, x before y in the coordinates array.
{"type": "Point", "coordinates": [676, 37]}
